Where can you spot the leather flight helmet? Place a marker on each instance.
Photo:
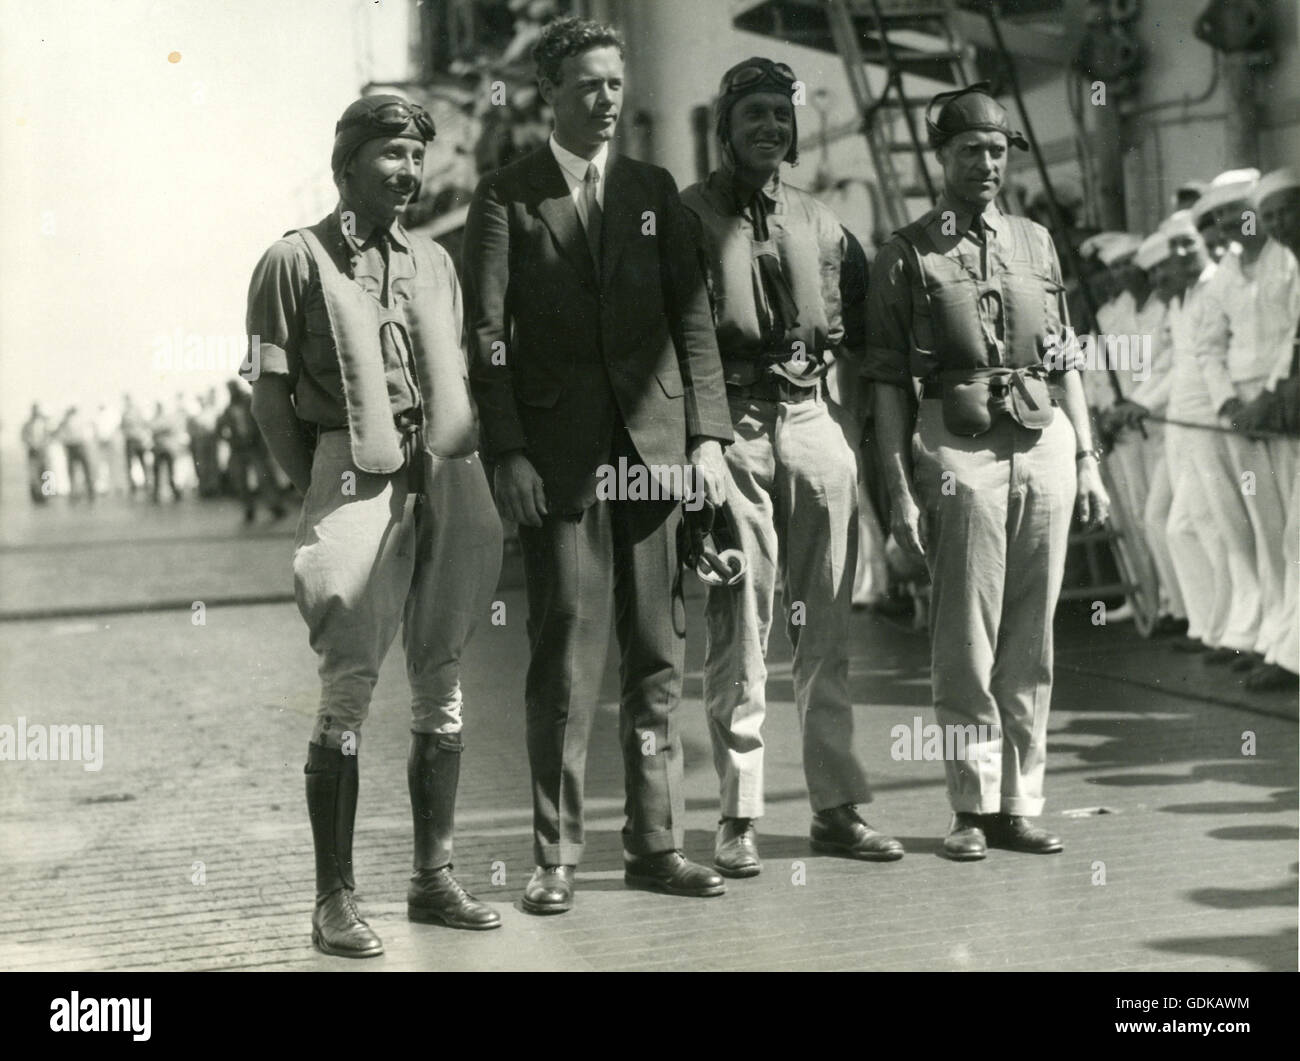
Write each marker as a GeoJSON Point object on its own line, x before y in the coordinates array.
{"type": "Point", "coordinates": [969, 109]}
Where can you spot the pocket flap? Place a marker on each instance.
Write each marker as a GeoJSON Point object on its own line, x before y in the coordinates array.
{"type": "Point", "coordinates": [542, 392]}
{"type": "Point", "coordinates": [1030, 402]}
{"type": "Point", "coordinates": [671, 382]}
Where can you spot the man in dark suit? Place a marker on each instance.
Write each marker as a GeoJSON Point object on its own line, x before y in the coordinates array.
{"type": "Point", "coordinates": [593, 347]}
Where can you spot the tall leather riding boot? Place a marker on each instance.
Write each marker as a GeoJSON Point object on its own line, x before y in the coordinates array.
{"type": "Point", "coordinates": [332, 785]}
{"type": "Point", "coordinates": [435, 896]}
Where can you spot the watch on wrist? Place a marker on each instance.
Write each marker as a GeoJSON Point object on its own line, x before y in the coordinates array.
{"type": "Point", "coordinates": [1094, 453]}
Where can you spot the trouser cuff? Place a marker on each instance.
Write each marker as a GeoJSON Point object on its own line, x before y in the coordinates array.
{"type": "Point", "coordinates": [561, 854]}
{"type": "Point", "coordinates": [977, 804]}
{"type": "Point", "coordinates": [1026, 806]}
{"type": "Point", "coordinates": [828, 800]}
{"type": "Point", "coordinates": [741, 808]}
{"type": "Point", "coordinates": [653, 843]}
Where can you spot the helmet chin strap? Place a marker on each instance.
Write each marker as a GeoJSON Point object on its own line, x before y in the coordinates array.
{"type": "Point", "coordinates": [728, 163]}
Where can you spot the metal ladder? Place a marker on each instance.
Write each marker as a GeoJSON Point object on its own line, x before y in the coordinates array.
{"type": "Point", "coordinates": [892, 121]}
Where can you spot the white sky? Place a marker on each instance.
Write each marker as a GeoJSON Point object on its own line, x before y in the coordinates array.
{"type": "Point", "coordinates": [139, 193]}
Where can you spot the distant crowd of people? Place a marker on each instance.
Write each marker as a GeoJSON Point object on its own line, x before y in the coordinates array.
{"type": "Point", "coordinates": [193, 444]}
{"type": "Point", "coordinates": [1202, 443]}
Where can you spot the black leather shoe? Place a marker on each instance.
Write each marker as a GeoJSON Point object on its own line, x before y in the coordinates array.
{"type": "Point", "coordinates": [965, 841]}
{"type": "Point", "coordinates": [1269, 677]}
{"type": "Point", "coordinates": [1219, 656]}
{"type": "Point", "coordinates": [1017, 833]}
{"type": "Point", "coordinates": [435, 897]}
{"type": "Point", "coordinates": [1188, 645]}
{"type": "Point", "coordinates": [671, 873]}
{"type": "Point", "coordinates": [1247, 661]}
{"type": "Point", "coordinates": [549, 890]}
{"type": "Point", "coordinates": [735, 853]}
{"type": "Point", "coordinates": [840, 831]}
{"type": "Point", "coordinates": [337, 928]}
{"type": "Point", "coordinates": [1168, 626]}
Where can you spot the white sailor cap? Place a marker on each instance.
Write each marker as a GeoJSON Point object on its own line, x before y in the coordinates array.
{"type": "Point", "coordinates": [1279, 180]}
{"type": "Point", "coordinates": [1231, 186]}
{"type": "Point", "coordinates": [1093, 244]}
{"type": "Point", "coordinates": [1179, 223]}
{"type": "Point", "coordinates": [1154, 250]}
{"type": "Point", "coordinates": [1116, 250]}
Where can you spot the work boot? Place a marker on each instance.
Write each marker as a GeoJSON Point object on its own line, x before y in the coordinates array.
{"type": "Point", "coordinates": [434, 895]}
{"type": "Point", "coordinates": [337, 928]}
{"type": "Point", "coordinates": [336, 925]}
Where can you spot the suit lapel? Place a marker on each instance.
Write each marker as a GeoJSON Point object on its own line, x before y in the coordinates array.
{"type": "Point", "coordinates": [621, 219]}
{"type": "Point", "coordinates": [557, 211]}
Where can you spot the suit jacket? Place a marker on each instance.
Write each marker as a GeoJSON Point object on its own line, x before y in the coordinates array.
{"type": "Point", "coordinates": [560, 355]}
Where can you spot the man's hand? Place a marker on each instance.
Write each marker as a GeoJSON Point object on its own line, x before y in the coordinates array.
{"type": "Point", "coordinates": [717, 566]}
{"type": "Point", "coordinates": [1091, 502]}
{"type": "Point", "coordinates": [710, 469]}
{"type": "Point", "coordinates": [1134, 413]}
{"type": "Point", "coordinates": [1252, 415]}
{"type": "Point", "coordinates": [1123, 414]}
{"type": "Point", "coordinates": [907, 524]}
{"type": "Point", "coordinates": [1229, 411]}
{"type": "Point", "coordinates": [520, 495]}
{"type": "Point", "coordinates": [1109, 422]}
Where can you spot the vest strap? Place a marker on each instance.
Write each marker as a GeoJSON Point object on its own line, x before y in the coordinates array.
{"type": "Point", "coordinates": [433, 322]}
{"type": "Point", "coordinates": [373, 436]}
{"type": "Point", "coordinates": [955, 329]}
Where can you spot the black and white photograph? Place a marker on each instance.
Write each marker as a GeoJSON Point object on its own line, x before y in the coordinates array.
{"type": "Point", "coordinates": [650, 486]}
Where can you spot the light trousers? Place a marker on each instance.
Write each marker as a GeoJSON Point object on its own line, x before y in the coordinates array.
{"type": "Point", "coordinates": [1237, 593]}
{"type": "Point", "coordinates": [368, 557]}
{"type": "Point", "coordinates": [1285, 649]}
{"type": "Point", "coordinates": [1127, 474]}
{"type": "Point", "coordinates": [1259, 485]}
{"type": "Point", "coordinates": [998, 509]}
{"type": "Point", "coordinates": [1196, 548]}
{"type": "Point", "coordinates": [1155, 519]}
{"type": "Point", "coordinates": [792, 498]}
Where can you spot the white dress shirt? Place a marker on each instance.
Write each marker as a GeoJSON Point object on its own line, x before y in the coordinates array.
{"type": "Point", "coordinates": [574, 168]}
